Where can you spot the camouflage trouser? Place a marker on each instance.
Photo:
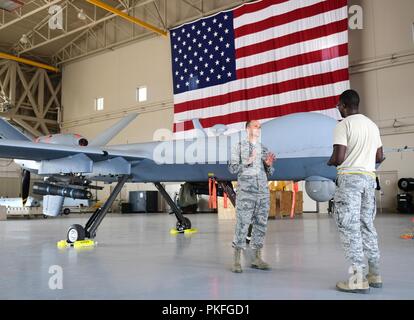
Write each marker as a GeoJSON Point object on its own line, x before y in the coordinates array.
{"type": "Point", "coordinates": [355, 211]}
{"type": "Point", "coordinates": [251, 208]}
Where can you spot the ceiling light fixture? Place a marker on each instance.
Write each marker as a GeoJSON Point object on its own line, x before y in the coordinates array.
{"type": "Point", "coordinates": [81, 15]}
{"type": "Point", "coordinates": [24, 39]}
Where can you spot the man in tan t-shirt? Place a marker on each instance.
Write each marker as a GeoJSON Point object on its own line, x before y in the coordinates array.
{"type": "Point", "coordinates": [357, 149]}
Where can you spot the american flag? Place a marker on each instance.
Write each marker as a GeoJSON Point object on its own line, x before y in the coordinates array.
{"type": "Point", "coordinates": [259, 61]}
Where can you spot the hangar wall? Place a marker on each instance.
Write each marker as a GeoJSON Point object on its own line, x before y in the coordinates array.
{"type": "Point", "coordinates": [386, 87]}
{"type": "Point", "coordinates": [115, 76]}
{"type": "Point", "coordinates": [382, 70]}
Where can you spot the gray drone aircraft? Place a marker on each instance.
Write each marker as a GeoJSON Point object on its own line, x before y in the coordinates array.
{"type": "Point", "coordinates": [69, 163]}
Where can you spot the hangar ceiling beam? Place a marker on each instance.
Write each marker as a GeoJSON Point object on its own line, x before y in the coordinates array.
{"type": "Point", "coordinates": [48, 38]}
{"type": "Point", "coordinates": [82, 44]}
{"type": "Point", "coordinates": [4, 24]}
{"type": "Point", "coordinates": [27, 61]}
{"type": "Point", "coordinates": [41, 35]}
{"type": "Point", "coordinates": [98, 36]}
{"type": "Point", "coordinates": [132, 19]}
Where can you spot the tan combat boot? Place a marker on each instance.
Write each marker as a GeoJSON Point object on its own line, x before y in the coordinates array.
{"type": "Point", "coordinates": [258, 263]}
{"type": "Point", "coordinates": [236, 262]}
{"type": "Point", "coordinates": [374, 280]}
{"type": "Point", "coordinates": [357, 283]}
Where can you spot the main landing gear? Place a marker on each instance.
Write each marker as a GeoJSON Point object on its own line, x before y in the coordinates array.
{"type": "Point", "coordinates": [78, 233]}
{"type": "Point", "coordinates": [183, 223]}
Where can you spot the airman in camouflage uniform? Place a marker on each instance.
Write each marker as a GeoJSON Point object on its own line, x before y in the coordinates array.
{"type": "Point", "coordinates": [357, 150]}
{"type": "Point", "coordinates": [253, 164]}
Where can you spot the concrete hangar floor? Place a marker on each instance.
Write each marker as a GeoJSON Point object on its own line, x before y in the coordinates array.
{"type": "Point", "coordinates": [137, 258]}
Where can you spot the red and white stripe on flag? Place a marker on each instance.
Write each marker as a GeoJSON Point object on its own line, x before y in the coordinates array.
{"type": "Point", "coordinates": [289, 56]}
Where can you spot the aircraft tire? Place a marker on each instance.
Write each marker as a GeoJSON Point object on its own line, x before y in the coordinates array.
{"type": "Point", "coordinates": [75, 233]}
{"type": "Point", "coordinates": [185, 225]}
